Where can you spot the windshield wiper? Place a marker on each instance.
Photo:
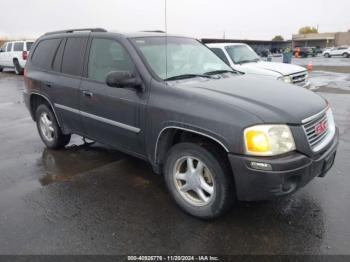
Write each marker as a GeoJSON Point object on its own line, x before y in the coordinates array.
{"type": "Point", "coordinates": [217, 72]}
{"type": "Point", "coordinates": [185, 76]}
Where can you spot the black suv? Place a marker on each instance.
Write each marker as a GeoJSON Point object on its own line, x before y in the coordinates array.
{"type": "Point", "coordinates": [216, 135]}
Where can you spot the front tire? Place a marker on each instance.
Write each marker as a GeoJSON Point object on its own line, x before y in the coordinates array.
{"type": "Point", "coordinates": [18, 68]}
{"type": "Point", "coordinates": [48, 128]}
{"type": "Point", "coordinates": [199, 180]}
{"type": "Point", "coordinates": [346, 55]}
{"type": "Point", "coordinates": [327, 55]}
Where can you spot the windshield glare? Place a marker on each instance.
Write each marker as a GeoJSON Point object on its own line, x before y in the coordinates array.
{"type": "Point", "coordinates": [242, 54]}
{"type": "Point", "coordinates": [183, 56]}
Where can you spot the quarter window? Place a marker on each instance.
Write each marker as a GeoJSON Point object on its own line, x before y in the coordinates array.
{"type": "Point", "coordinates": [44, 53]}
{"type": "Point", "coordinates": [29, 45]}
{"type": "Point", "coordinates": [107, 55]}
{"type": "Point", "coordinates": [73, 57]}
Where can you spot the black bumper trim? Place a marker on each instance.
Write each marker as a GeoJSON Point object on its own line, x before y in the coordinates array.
{"type": "Point", "coordinates": [288, 174]}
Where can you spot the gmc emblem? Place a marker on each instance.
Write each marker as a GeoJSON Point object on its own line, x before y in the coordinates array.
{"type": "Point", "coordinates": [321, 127]}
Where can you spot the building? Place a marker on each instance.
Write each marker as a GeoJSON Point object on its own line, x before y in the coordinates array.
{"type": "Point", "coordinates": [321, 40]}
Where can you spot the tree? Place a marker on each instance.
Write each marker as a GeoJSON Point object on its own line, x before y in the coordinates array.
{"type": "Point", "coordinates": [308, 30]}
{"type": "Point", "coordinates": [278, 38]}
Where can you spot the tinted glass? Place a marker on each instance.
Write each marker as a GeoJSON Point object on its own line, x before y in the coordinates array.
{"type": "Point", "coordinates": [221, 54]}
{"type": "Point", "coordinates": [18, 46]}
{"type": "Point", "coordinates": [29, 45]}
{"type": "Point", "coordinates": [3, 48]}
{"type": "Point", "coordinates": [106, 56]}
{"type": "Point", "coordinates": [9, 47]}
{"type": "Point", "coordinates": [44, 53]}
{"type": "Point", "coordinates": [73, 57]}
{"type": "Point", "coordinates": [56, 66]}
{"type": "Point", "coordinates": [174, 56]}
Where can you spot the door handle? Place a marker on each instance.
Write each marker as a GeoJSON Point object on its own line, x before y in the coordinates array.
{"type": "Point", "coordinates": [48, 84]}
{"type": "Point", "coordinates": [88, 94]}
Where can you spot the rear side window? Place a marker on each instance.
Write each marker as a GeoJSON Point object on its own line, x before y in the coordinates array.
{"type": "Point", "coordinates": [73, 57]}
{"type": "Point", "coordinates": [9, 47]}
{"type": "Point", "coordinates": [18, 46]}
{"type": "Point", "coordinates": [220, 54]}
{"type": "Point", "coordinates": [56, 66]}
{"type": "Point", "coordinates": [44, 53]}
{"type": "Point", "coordinates": [29, 45]}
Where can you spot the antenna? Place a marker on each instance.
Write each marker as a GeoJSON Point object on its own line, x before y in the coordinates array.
{"type": "Point", "coordinates": [166, 38]}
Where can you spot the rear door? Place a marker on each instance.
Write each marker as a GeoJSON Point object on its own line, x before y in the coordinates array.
{"type": "Point", "coordinates": [18, 48]}
{"type": "Point", "coordinates": [8, 60]}
{"type": "Point", "coordinates": [111, 115]}
{"type": "Point", "coordinates": [66, 80]}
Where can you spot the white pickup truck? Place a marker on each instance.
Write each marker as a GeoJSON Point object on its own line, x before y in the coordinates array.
{"type": "Point", "coordinates": [14, 55]}
{"type": "Point", "coordinates": [243, 58]}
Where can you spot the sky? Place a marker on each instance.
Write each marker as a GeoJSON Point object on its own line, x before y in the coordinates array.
{"type": "Point", "coordinates": [243, 19]}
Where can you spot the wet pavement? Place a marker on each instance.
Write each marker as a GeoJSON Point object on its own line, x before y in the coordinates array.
{"type": "Point", "coordinates": [319, 61]}
{"type": "Point", "coordinates": [94, 200]}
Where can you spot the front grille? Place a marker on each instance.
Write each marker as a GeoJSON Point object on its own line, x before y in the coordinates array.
{"type": "Point", "coordinates": [317, 129]}
{"type": "Point", "coordinates": [299, 78]}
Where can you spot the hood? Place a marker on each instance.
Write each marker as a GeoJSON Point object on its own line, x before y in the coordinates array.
{"type": "Point", "coordinates": [281, 68]}
{"type": "Point", "coordinates": [272, 101]}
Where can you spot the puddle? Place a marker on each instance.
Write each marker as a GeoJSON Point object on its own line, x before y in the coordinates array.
{"type": "Point", "coordinates": [63, 165]}
{"type": "Point", "coordinates": [330, 80]}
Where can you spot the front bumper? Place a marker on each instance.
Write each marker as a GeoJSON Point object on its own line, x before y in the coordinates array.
{"type": "Point", "coordinates": [288, 174]}
{"type": "Point", "coordinates": [306, 84]}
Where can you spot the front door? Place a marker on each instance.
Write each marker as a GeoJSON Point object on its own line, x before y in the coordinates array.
{"type": "Point", "coordinates": [111, 115]}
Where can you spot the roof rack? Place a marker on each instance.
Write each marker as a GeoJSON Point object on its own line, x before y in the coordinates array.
{"type": "Point", "coordinates": [77, 30]}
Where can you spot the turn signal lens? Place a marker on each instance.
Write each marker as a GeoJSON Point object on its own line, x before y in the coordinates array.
{"type": "Point", "coordinates": [268, 140]}
{"type": "Point", "coordinates": [257, 141]}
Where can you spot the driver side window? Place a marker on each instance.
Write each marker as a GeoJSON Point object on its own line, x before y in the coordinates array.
{"type": "Point", "coordinates": [107, 55]}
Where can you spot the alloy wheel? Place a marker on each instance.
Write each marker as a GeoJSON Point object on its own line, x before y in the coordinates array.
{"type": "Point", "coordinates": [46, 127]}
{"type": "Point", "coordinates": [194, 181]}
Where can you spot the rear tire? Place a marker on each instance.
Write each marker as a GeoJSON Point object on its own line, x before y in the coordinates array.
{"type": "Point", "coordinates": [346, 55]}
{"type": "Point", "coordinates": [18, 68]}
{"type": "Point", "coordinates": [1, 69]}
{"type": "Point", "coordinates": [191, 168]}
{"type": "Point", "coordinates": [327, 55]}
{"type": "Point", "coordinates": [48, 128]}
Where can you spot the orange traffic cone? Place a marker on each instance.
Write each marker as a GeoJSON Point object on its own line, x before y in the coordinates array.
{"type": "Point", "coordinates": [309, 66]}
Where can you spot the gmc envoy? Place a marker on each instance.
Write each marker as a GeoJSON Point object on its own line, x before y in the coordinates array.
{"type": "Point", "coordinates": [216, 135]}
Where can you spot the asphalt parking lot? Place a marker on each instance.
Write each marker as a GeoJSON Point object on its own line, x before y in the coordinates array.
{"type": "Point", "coordinates": [94, 200]}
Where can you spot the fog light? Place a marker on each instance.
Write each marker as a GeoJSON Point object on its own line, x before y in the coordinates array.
{"type": "Point", "coordinates": [261, 166]}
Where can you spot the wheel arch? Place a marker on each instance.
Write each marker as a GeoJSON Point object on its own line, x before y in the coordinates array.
{"type": "Point", "coordinates": [37, 99]}
{"type": "Point", "coordinates": [171, 135]}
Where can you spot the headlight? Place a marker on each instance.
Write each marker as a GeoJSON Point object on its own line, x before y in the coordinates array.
{"type": "Point", "coordinates": [286, 79]}
{"type": "Point", "coordinates": [268, 140]}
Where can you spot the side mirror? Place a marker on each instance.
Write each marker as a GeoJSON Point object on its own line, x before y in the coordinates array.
{"type": "Point", "coordinates": [122, 79]}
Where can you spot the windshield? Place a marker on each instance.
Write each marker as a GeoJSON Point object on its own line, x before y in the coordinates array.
{"type": "Point", "coordinates": [242, 54]}
{"type": "Point", "coordinates": [185, 56]}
